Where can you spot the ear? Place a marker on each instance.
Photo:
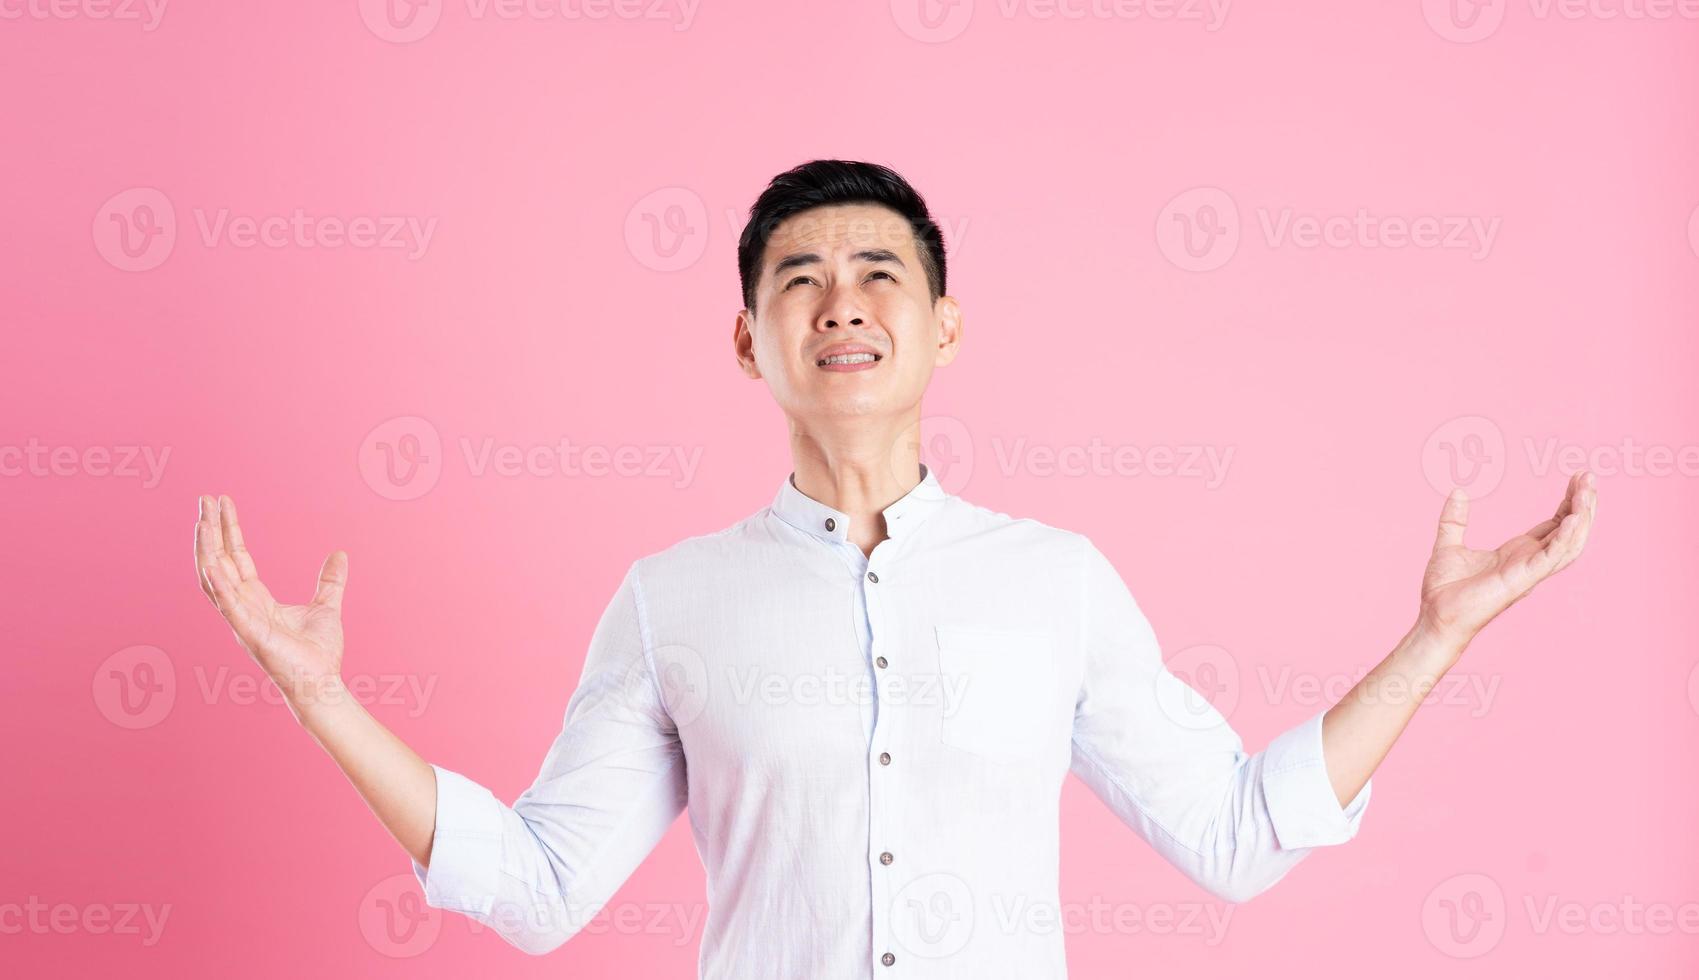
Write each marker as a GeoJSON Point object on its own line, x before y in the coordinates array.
{"type": "Point", "coordinates": [743, 343]}
{"type": "Point", "coordinates": [949, 314]}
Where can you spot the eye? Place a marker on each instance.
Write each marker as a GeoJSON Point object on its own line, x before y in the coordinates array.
{"type": "Point", "coordinates": [881, 272]}
{"type": "Point", "coordinates": [799, 279]}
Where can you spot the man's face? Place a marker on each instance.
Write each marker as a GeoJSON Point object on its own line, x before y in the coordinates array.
{"type": "Point", "coordinates": [845, 280]}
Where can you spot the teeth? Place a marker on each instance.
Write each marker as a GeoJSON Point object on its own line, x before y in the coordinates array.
{"type": "Point", "coordinates": [849, 359]}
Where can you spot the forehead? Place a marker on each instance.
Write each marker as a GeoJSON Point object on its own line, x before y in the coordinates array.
{"type": "Point", "coordinates": [840, 228]}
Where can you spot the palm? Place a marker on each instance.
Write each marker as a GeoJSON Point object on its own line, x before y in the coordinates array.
{"type": "Point", "coordinates": [293, 644]}
{"type": "Point", "coordinates": [1464, 588]}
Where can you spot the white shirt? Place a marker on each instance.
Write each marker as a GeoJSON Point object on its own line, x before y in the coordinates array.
{"type": "Point", "coordinates": [872, 750]}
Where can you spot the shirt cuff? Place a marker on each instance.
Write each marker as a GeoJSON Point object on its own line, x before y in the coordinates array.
{"type": "Point", "coordinates": [466, 848]}
{"type": "Point", "coordinates": [1301, 802]}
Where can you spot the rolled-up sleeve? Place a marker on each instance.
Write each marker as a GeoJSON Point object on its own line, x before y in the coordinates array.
{"type": "Point", "coordinates": [611, 784]}
{"type": "Point", "coordinates": [1171, 767]}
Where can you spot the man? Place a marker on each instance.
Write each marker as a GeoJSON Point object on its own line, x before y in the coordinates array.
{"type": "Point", "coordinates": [868, 693]}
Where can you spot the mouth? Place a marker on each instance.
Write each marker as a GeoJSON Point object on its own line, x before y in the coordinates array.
{"type": "Point", "coordinates": [848, 357]}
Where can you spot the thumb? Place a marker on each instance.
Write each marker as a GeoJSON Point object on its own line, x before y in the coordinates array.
{"type": "Point", "coordinates": [1453, 520]}
{"type": "Point", "coordinates": [332, 578]}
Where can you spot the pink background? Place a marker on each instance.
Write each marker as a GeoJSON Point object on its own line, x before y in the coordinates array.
{"type": "Point", "coordinates": [1065, 158]}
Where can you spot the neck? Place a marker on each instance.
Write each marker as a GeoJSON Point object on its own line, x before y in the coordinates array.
{"type": "Point", "coordinates": [859, 468]}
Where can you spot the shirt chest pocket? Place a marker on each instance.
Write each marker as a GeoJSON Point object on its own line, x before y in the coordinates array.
{"type": "Point", "coordinates": [998, 690]}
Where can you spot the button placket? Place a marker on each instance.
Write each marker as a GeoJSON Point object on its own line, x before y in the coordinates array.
{"type": "Point", "coordinates": [882, 804]}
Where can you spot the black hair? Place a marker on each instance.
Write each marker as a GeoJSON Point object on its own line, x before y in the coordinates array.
{"type": "Point", "coordinates": [818, 183]}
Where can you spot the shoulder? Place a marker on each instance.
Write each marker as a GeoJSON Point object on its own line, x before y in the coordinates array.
{"type": "Point", "coordinates": [697, 557]}
{"type": "Point", "coordinates": [973, 525]}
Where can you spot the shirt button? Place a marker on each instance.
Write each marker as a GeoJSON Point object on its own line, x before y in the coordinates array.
{"type": "Point", "coordinates": [881, 661]}
{"type": "Point", "coordinates": [886, 858]}
{"type": "Point", "coordinates": [884, 758]}
{"type": "Point", "coordinates": [873, 576]}
{"type": "Point", "coordinates": [831, 525]}
{"type": "Point", "coordinates": [887, 959]}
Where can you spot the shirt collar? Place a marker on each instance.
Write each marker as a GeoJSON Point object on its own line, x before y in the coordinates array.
{"type": "Point", "coordinates": [811, 516]}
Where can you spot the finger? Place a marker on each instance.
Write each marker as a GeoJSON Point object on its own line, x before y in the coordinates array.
{"type": "Point", "coordinates": [203, 548]}
{"type": "Point", "coordinates": [1571, 493]}
{"type": "Point", "coordinates": [333, 578]}
{"type": "Point", "coordinates": [229, 603]}
{"type": "Point", "coordinates": [1453, 520]}
{"type": "Point", "coordinates": [233, 545]}
{"type": "Point", "coordinates": [1583, 527]}
{"type": "Point", "coordinates": [1551, 557]}
{"type": "Point", "coordinates": [219, 554]}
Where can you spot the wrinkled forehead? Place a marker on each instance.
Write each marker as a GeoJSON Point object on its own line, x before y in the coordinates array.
{"type": "Point", "coordinates": [840, 230]}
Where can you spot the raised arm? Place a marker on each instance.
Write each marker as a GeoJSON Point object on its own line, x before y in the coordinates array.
{"type": "Point", "coordinates": [536, 872]}
{"type": "Point", "coordinates": [300, 649]}
{"type": "Point", "coordinates": [1462, 591]}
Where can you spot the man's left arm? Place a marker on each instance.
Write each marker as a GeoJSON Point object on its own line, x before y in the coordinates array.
{"type": "Point", "coordinates": [1463, 589]}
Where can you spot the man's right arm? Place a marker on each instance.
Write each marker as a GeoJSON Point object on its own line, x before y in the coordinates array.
{"type": "Point", "coordinates": [536, 872]}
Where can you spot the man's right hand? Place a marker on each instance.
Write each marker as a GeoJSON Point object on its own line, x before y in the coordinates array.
{"type": "Point", "coordinates": [299, 647]}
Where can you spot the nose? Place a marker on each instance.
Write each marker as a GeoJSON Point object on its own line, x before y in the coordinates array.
{"type": "Point", "coordinates": [840, 309]}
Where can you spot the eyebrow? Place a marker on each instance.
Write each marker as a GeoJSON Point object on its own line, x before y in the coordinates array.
{"type": "Point", "coordinates": [865, 255]}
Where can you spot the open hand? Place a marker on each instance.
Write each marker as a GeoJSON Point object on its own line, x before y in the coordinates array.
{"type": "Point", "coordinates": [1463, 589]}
{"type": "Point", "coordinates": [299, 647]}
